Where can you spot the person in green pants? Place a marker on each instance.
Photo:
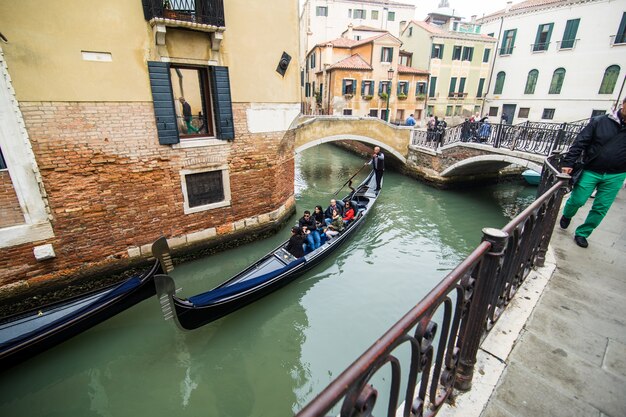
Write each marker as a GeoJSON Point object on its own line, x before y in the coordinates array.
{"type": "Point", "coordinates": [603, 142]}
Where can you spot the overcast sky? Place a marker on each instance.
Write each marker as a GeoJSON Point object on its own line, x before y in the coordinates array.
{"type": "Point", "coordinates": [463, 8]}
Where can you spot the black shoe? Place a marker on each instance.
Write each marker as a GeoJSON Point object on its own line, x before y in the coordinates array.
{"type": "Point", "coordinates": [564, 222]}
{"type": "Point", "coordinates": [581, 241]}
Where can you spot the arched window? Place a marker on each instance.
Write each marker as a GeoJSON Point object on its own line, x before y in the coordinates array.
{"type": "Point", "coordinates": [557, 81]}
{"type": "Point", "coordinates": [499, 83]}
{"type": "Point", "coordinates": [609, 80]}
{"type": "Point", "coordinates": [531, 82]}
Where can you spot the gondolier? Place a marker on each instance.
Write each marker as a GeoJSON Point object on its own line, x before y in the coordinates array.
{"type": "Point", "coordinates": [378, 164]}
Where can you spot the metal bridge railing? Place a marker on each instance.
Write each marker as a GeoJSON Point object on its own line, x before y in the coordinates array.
{"type": "Point", "coordinates": [531, 137]}
{"type": "Point", "coordinates": [432, 349]}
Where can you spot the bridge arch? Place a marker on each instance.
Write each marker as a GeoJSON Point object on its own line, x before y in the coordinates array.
{"type": "Point", "coordinates": [360, 138]}
{"type": "Point", "coordinates": [482, 163]}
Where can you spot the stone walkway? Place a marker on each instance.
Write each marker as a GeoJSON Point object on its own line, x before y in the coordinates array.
{"type": "Point", "coordinates": [560, 348]}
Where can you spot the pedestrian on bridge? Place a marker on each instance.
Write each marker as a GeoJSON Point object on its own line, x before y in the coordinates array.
{"type": "Point", "coordinates": [410, 121]}
{"type": "Point", "coordinates": [603, 142]}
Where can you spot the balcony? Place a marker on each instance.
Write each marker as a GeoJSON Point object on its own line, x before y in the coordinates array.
{"type": "Point", "coordinates": [619, 39]}
{"type": "Point", "coordinates": [459, 96]}
{"type": "Point", "coordinates": [566, 44]}
{"type": "Point", "coordinates": [207, 13]}
{"type": "Point", "coordinates": [539, 47]}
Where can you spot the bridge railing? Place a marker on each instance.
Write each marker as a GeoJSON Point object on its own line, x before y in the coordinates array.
{"type": "Point", "coordinates": [536, 138]}
{"type": "Point", "coordinates": [432, 349]}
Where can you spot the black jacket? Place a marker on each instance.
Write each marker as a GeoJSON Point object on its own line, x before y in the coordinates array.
{"type": "Point", "coordinates": [329, 212]}
{"type": "Point", "coordinates": [309, 223]}
{"type": "Point", "coordinates": [604, 142]}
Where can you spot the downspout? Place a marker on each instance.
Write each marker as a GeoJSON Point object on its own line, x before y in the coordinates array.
{"type": "Point", "coordinates": [493, 66]}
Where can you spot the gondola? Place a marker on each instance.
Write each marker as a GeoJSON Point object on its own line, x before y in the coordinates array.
{"type": "Point", "coordinates": [27, 334]}
{"type": "Point", "coordinates": [271, 272]}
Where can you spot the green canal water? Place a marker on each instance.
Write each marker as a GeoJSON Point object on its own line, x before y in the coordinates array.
{"type": "Point", "coordinates": [272, 357]}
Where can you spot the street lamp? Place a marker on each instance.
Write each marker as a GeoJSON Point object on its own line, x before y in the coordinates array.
{"type": "Point", "coordinates": [389, 77]}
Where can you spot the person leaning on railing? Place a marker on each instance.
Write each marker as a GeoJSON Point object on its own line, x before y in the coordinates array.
{"type": "Point", "coordinates": [603, 144]}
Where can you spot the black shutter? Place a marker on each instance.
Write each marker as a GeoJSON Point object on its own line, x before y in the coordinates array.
{"type": "Point", "coordinates": [222, 103]}
{"type": "Point", "coordinates": [163, 101]}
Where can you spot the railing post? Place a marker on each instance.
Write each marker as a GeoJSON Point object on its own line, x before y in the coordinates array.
{"type": "Point", "coordinates": [474, 322]}
{"type": "Point", "coordinates": [548, 226]}
{"type": "Point", "coordinates": [496, 143]}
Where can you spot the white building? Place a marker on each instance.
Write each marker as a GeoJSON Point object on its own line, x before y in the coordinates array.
{"type": "Point", "coordinates": [557, 60]}
{"type": "Point", "coordinates": [323, 20]}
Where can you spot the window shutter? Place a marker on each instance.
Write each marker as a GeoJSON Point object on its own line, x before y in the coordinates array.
{"type": "Point", "coordinates": [433, 85]}
{"type": "Point", "coordinates": [362, 88]}
{"type": "Point", "coordinates": [462, 85]}
{"type": "Point", "coordinates": [222, 103]}
{"type": "Point", "coordinates": [343, 86]}
{"type": "Point", "coordinates": [163, 102]}
{"type": "Point", "coordinates": [452, 84]}
{"type": "Point", "coordinates": [481, 84]}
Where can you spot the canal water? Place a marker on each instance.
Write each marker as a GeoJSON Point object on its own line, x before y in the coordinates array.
{"type": "Point", "coordinates": [272, 357]}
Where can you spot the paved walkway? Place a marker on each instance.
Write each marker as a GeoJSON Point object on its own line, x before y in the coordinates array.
{"type": "Point", "coordinates": [561, 349]}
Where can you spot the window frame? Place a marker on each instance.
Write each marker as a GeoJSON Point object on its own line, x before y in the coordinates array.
{"type": "Point", "coordinates": [556, 84]}
{"type": "Point", "coordinates": [436, 47]}
{"type": "Point", "coordinates": [468, 53]}
{"type": "Point", "coordinates": [374, 15]}
{"type": "Point", "coordinates": [620, 36]}
{"type": "Point", "coordinates": [321, 8]}
{"type": "Point", "coordinates": [371, 87]}
{"type": "Point", "coordinates": [432, 87]}
{"type": "Point", "coordinates": [604, 85]}
{"type": "Point", "coordinates": [508, 42]}
{"type": "Point", "coordinates": [486, 54]}
{"type": "Point", "coordinates": [499, 84]}
{"type": "Point", "coordinates": [531, 83]}
{"type": "Point", "coordinates": [344, 86]}
{"type": "Point", "coordinates": [548, 114]}
{"type": "Point", "coordinates": [424, 91]}
{"type": "Point", "coordinates": [211, 206]}
{"type": "Point", "coordinates": [456, 52]}
{"type": "Point", "coordinates": [493, 111]}
{"type": "Point", "coordinates": [361, 12]}
{"type": "Point", "coordinates": [206, 96]}
{"type": "Point", "coordinates": [571, 29]}
{"type": "Point", "coordinates": [391, 16]}
{"type": "Point", "coordinates": [542, 45]}
{"type": "Point", "coordinates": [386, 50]}
{"type": "Point", "coordinates": [403, 88]}
{"type": "Point", "coordinates": [524, 115]}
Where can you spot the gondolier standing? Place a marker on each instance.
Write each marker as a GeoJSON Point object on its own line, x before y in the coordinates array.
{"type": "Point", "coordinates": [378, 163]}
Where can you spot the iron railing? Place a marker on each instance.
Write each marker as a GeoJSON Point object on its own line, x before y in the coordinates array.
{"type": "Point", "coordinates": [436, 342]}
{"type": "Point", "coordinates": [531, 137]}
{"type": "Point", "coordinates": [207, 12]}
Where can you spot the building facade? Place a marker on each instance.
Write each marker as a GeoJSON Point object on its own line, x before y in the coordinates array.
{"type": "Point", "coordinates": [125, 121]}
{"type": "Point", "coordinates": [363, 78]}
{"type": "Point", "coordinates": [557, 61]}
{"type": "Point", "coordinates": [321, 20]}
{"type": "Point", "coordinates": [458, 60]}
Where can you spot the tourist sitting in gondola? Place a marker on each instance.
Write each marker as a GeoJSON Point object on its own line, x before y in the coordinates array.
{"type": "Point", "coordinates": [312, 235]}
{"type": "Point", "coordinates": [335, 226]}
{"type": "Point", "coordinates": [328, 214]}
{"type": "Point", "coordinates": [296, 242]}
{"type": "Point", "coordinates": [349, 213]}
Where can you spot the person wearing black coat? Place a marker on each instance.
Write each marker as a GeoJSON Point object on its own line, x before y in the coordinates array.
{"type": "Point", "coordinates": [294, 246]}
{"type": "Point", "coordinates": [328, 214]}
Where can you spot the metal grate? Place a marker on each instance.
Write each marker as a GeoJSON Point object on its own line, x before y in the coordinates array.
{"type": "Point", "coordinates": [204, 188]}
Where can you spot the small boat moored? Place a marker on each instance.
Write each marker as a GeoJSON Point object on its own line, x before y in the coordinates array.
{"type": "Point", "coordinates": [271, 272]}
{"type": "Point", "coordinates": [531, 177]}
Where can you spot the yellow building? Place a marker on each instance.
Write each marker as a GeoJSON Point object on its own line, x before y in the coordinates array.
{"type": "Point", "coordinates": [363, 78]}
{"type": "Point", "coordinates": [100, 153]}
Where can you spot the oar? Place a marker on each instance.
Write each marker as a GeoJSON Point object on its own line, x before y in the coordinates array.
{"type": "Point", "coordinates": [349, 179]}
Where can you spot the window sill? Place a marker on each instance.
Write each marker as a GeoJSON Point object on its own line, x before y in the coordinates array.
{"type": "Point", "coordinates": [199, 143]}
{"type": "Point", "coordinates": [219, 204]}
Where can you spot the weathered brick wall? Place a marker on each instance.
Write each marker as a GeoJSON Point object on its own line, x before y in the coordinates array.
{"type": "Point", "coordinates": [111, 186]}
{"type": "Point", "coordinates": [10, 211]}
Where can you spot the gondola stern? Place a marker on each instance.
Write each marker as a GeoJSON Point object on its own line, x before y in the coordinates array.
{"type": "Point", "coordinates": [166, 290]}
{"type": "Point", "coordinates": [161, 251]}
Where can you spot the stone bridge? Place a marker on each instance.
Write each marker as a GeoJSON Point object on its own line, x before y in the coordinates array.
{"type": "Point", "coordinates": [451, 163]}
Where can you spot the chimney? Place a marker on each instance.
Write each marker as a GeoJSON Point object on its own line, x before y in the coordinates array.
{"type": "Point", "coordinates": [349, 34]}
{"type": "Point", "coordinates": [473, 19]}
{"type": "Point", "coordinates": [403, 25]}
{"type": "Point", "coordinates": [508, 6]}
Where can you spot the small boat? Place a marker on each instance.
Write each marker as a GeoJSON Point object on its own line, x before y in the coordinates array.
{"type": "Point", "coordinates": [26, 334]}
{"type": "Point", "coordinates": [531, 177]}
{"type": "Point", "coordinates": [271, 272]}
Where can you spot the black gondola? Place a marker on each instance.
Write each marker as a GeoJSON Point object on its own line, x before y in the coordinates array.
{"type": "Point", "coordinates": [27, 334]}
{"type": "Point", "coordinates": [271, 272]}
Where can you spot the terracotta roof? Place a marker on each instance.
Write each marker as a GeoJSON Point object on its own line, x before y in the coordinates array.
{"type": "Point", "coordinates": [373, 38]}
{"type": "Point", "coordinates": [528, 4]}
{"type": "Point", "coordinates": [354, 62]}
{"type": "Point", "coordinates": [339, 43]}
{"type": "Point", "coordinates": [384, 2]}
{"type": "Point", "coordinates": [368, 29]}
{"type": "Point", "coordinates": [410, 70]}
{"type": "Point", "coordinates": [436, 30]}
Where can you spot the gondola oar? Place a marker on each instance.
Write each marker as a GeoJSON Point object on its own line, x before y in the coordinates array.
{"type": "Point", "coordinates": [349, 180]}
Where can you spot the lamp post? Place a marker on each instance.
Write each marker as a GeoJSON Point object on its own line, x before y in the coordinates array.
{"type": "Point", "coordinates": [389, 77]}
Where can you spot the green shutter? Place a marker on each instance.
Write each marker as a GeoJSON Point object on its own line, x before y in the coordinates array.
{"type": "Point", "coordinates": [481, 84]}
{"type": "Point", "coordinates": [499, 83]}
{"type": "Point", "coordinates": [452, 85]}
{"type": "Point", "coordinates": [462, 85]}
{"type": "Point", "coordinates": [620, 37]}
{"type": "Point", "coordinates": [343, 87]}
{"type": "Point", "coordinates": [569, 36]}
{"type": "Point", "coordinates": [486, 55]}
{"type": "Point", "coordinates": [163, 101]}
{"type": "Point", "coordinates": [432, 87]}
{"type": "Point", "coordinates": [222, 103]}
{"type": "Point", "coordinates": [609, 80]}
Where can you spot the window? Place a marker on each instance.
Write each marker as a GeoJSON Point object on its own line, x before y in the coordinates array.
{"type": "Point", "coordinates": [357, 37]}
{"type": "Point", "coordinates": [405, 60]}
{"type": "Point", "coordinates": [359, 14]}
{"type": "Point", "coordinates": [493, 111]}
{"type": "Point", "coordinates": [569, 36]}
{"type": "Point", "coordinates": [456, 53]}
{"type": "Point", "coordinates": [383, 114]}
{"type": "Point", "coordinates": [452, 85]}
{"type": "Point", "coordinates": [468, 53]}
{"type": "Point", "coordinates": [205, 190]}
{"type": "Point", "coordinates": [367, 88]}
{"type": "Point", "coordinates": [384, 87]}
{"type": "Point", "coordinates": [609, 80]}
{"type": "Point", "coordinates": [486, 53]}
{"type": "Point", "coordinates": [374, 112]}
{"type": "Point", "coordinates": [508, 42]}
{"type": "Point", "coordinates": [481, 85]}
{"type": "Point", "coordinates": [192, 108]}
{"type": "Point", "coordinates": [437, 51]}
{"type": "Point", "coordinates": [348, 86]}
{"type": "Point", "coordinates": [374, 14]}
{"type": "Point", "coordinates": [499, 83]}
{"type": "Point", "coordinates": [307, 90]}
{"type": "Point", "coordinates": [410, 31]}
{"type": "Point", "coordinates": [448, 110]}
{"type": "Point", "coordinates": [347, 112]}
{"type": "Point", "coordinates": [403, 88]}
{"type": "Point", "coordinates": [313, 56]}
{"type": "Point", "coordinates": [548, 114]}
{"type": "Point", "coordinates": [386, 54]}
{"type": "Point", "coordinates": [531, 82]}
{"type": "Point", "coordinates": [420, 88]}
{"type": "Point", "coordinates": [523, 112]}
{"type": "Point", "coordinates": [476, 109]}
{"type": "Point", "coordinates": [431, 110]}
{"type": "Point", "coordinates": [321, 11]}
{"type": "Point", "coordinates": [596, 113]}
{"type": "Point", "coordinates": [391, 16]}
{"type": "Point", "coordinates": [433, 85]}
{"type": "Point", "coordinates": [462, 85]}
{"type": "Point", "coordinates": [457, 110]}
{"type": "Point", "coordinates": [350, 13]}
{"type": "Point", "coordinates": [542, 39]}
{"type": "Point", "coordinates": [620, 37]}
{"type": "Point", "coordinates": [557, 81]}
{"type": "Point", "coordinates": [3, 164]}
{"type": "Point", "coordinates": [491, 34]}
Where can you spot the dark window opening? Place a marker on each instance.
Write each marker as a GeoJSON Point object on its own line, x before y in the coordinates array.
{"type": "Point", "coordinates": [191, 90]}
{"type": "Point", "coordinates": [204, 188]}
{"type": "Point", "coordinates": [548, 114]}
{"type": "Point", "coordinates": [523, 112]}
{"type": "Point", "coordinates": [493, 111]}
{"type": "Point", "coordinates": [3, 164]}
{"type": "Point", "coordinates": [347, 112]}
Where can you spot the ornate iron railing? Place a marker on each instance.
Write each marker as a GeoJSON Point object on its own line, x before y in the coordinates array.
{"type": "Point", "coordinates": [536, 138]}
{"type": "Point", "coordinates": [207, 12]}
{"type": "Point", "coordinates": [444, 330]}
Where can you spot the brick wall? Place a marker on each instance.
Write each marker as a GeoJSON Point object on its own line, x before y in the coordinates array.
{"type": "Point", "coordinates": [111, 186]}
{"type": "Point", "coordinates": [10, 211]}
